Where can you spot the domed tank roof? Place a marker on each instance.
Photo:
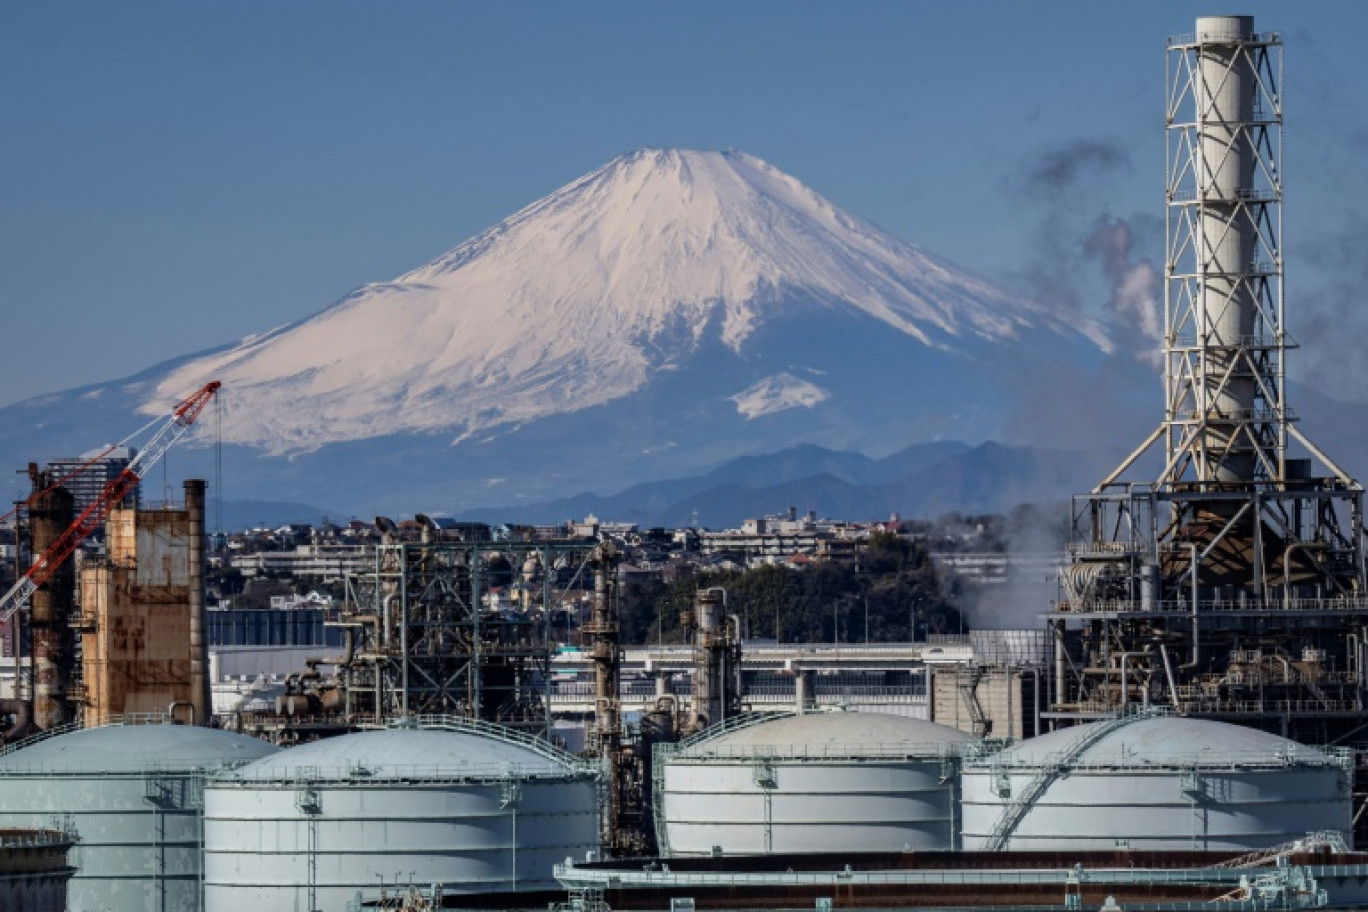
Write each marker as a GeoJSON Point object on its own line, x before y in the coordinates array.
{"type": "Point", "coordinates": [1163, 741]}
{"type": "Point", "coordinates": [834, 733]}
{"type": "Point", "coordinates": [414, 753]}
{"type": "Point", "coordinates": [133, 749]}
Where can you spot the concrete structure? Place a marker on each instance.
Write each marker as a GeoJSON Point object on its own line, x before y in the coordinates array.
{"type": "Point", "coordinates": [138, 649]}
{"type": "Point", "coordinates": [991, 701]}
{"type": "Point", "coordinates": [131, 793]}
{"type": "Point", "coordinates": [458, 802]}
{"type": "Point", "coordinates": [323, 561]}
{"type": "Point", "coordinates": [997, 688]}
{"type": "Point", "coordinates": [1154, 782]}
{"type": "Point", "coordinates": [34, 870]}
{"type": "Point", "coordinates": [811, 782]}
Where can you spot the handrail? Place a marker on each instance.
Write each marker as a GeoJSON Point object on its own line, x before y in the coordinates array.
{"type": "Point", "coordinates": [38, 839]}
{"type": "Point", "coordinates": [1242, 194]}
{"type": "Point", "coordinates": [1223, 762]}
{"type": "Point", "coordinates": [735, 723]}
{"type": "Point", "coordinates": [895, 750]}
{"type": "Point", "coordinates": [355, 775]}
{"type": "Point", "coordinates": [69, 727]}
{"type": "Point", "coordinates": [1179, 606]}
{"type": "Point", "coordinates": [1192, 39]}
{"type": "Point", "coordinates": [1014, 813]}
{"type": "Point", "coordinates": [465, 724]}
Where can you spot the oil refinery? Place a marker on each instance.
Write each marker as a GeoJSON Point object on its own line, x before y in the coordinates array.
{"type": "Point", "coordinates": [1186, 729]}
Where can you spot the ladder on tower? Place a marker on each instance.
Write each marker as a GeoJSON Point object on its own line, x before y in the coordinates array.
{"type": "Point", "coordinates": [1014, 813]}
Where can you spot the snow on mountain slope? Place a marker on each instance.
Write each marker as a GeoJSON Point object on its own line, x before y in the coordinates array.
{"type": "Point", "coordinates": [777, 393]}
{"type": "Point", "coordinates": [584, 296]}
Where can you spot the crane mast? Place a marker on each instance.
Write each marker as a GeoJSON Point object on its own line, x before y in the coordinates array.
{"type": "Point", "coordinates": [171, 429]}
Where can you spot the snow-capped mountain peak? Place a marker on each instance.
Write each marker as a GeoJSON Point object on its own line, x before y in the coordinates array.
{"type": "Point", "coordinates": [586, 295]}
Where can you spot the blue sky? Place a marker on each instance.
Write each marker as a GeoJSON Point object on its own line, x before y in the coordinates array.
{"type": "Point", "coordinates": [178, 175]}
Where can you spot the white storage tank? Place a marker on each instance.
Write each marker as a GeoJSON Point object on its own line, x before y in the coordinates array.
{"type": "Point", "coordinates": [466, 804]}
{"type": "Point", "coordinates": [812, 782]}
{"type": "Point", "coordinates": [1152, 781]}
{"type": "Point", "coordinates": [132, 793]}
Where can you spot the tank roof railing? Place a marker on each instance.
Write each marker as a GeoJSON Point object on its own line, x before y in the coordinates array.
{"type": "Point", "coordinates": [355, 775]}
{"type": "Point", "coordinates": [40, 736]}
{"type": "Point", "coordinates": [697, 747]}
{"type": "Point", "coordinates": [1219, 760]}
{"type": "Point", "coordinates": [896, 750]}
{"type": "Point", "coordinates": [151, 770]}
{"type": "Point", "coordinates": [68, 728]}
{"type": "Point", "coordinates": [735, 723]}
{"type": "Point", "coordinates": [466, 725]}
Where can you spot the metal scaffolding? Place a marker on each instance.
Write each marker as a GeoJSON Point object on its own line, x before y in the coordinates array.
{"type": "Point", "coordinates": [457, 628]}
{"type": "Point", "coordinates": [1232, 584]}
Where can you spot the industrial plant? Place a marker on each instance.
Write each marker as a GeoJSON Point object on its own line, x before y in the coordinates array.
{"type": "Point", "coordinates": [469, 729]}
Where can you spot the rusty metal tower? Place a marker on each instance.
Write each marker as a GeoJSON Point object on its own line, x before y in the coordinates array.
{"type": "Point", "coordinates": [1232, 584]}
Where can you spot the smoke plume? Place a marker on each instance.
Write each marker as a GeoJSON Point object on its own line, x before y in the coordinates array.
{"type": "Point", "coordinates": [1134, 303]}
{"type": "Point", "coordinates": [1088, 263]}
{"type": "Point", "coordinates": [1083, 258]}
{"type": "Point", "coordinates": [1033, 538]}
{"type": "Point", "coordinates": [1059, 171]}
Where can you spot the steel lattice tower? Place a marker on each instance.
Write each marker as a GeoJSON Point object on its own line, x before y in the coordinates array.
{"type": "Point", "coordinates": [1232, 585]}
{"type": "Point", "coordinates": [1225, 417]}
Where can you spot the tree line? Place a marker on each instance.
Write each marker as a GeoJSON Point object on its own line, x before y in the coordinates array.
{"type": "Point", "coordinates": [891, 593]}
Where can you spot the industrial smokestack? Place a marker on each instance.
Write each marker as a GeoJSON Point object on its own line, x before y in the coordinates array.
{"type": "Point", "coordinates": [200, 696]}
{"type": "Point", "coordinates": [50, 514]}
{"type": "Point", "coordinates": [1223, 100]}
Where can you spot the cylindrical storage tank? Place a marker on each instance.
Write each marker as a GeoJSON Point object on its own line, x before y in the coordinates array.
{"type": "Point", "coordinates": [469, 805]}
{"type": "Point", "coordinates": [811, 782]}
{"type": "Point", "coordinates": [1153, 782]}
{"type": "Point", "coordinates": [132, 793]}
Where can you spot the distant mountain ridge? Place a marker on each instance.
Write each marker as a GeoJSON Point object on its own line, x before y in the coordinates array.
{"type": "Point", "coordinates": [921, 481]}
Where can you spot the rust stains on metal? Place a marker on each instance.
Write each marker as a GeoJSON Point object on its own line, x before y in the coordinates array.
{"type": "Point", "coordinates": [136, 646]}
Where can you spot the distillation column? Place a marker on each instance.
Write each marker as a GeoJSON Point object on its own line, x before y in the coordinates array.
{"type": "Point", "coordinates": [200, 696]}
{"type": "Point", "coordinates": [606, 735]}
{"type": "Point", "coordinates": [717, 656]}
{"type": "Point", "coordinates": [50, 514]}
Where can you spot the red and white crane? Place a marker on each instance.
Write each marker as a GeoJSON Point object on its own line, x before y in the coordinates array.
{"type": "Point", "coordinates": [172, 428]}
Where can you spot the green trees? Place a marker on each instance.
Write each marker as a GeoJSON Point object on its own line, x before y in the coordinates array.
{"type": "Point", "coordinates": [888, 594]}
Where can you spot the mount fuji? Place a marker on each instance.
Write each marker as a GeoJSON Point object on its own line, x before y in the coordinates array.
{"type": "Point", "coordinates": [668, 312]}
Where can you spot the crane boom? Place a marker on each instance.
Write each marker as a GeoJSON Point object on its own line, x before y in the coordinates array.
{"type": "Point", "coordinates": [172, 429]}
